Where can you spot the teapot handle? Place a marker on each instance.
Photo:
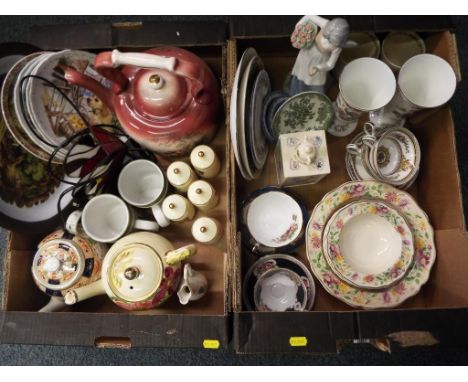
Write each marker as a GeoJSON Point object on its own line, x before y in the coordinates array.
{"type": "Point", "coordinates": [107, 62]}
{"type": "Point", "coordinates": [178, 255]}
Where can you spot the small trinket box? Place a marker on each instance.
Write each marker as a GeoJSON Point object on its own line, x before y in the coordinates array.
{"type": "Point", "coordinates": [301, 158]}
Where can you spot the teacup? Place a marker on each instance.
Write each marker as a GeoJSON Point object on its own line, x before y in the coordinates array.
{"type": "Point", "coordinates": [142, 184]}
{"type": "Point", "coordinates": [366, 85]}
{"type": "Point", "coordinates": [107, 218]}
{"type": "Point", "coordinates": [425, 81]}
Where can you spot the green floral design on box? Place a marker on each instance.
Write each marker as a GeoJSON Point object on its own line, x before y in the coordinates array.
{"type": "Point", "coordinates": [304, 112]}
{"type": "Point", "coordinates": [423, 236]}
{"type": "Point", "coordinates": [338, 263]}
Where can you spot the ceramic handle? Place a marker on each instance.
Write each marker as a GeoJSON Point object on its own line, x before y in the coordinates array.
{"type": "Point", "coordinates": [146, 225]}
{"type": "Point", "coordinates": [145, 60]}
{"type": "Point", "coordinates": [178, 255]}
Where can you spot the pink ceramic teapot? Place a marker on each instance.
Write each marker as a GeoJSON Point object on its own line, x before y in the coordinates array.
{"type": "Point", "coordinates": [166, 99]}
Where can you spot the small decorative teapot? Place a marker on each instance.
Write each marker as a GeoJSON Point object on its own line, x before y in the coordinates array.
{"type": "Point", "coordinates": [64, 262]}
{"type": "Point", "coordinates": [140, 271]}
{"type": "Point", "coordinates": [193, 287]}
{"type": "Point", "coordinates": [167, 99]}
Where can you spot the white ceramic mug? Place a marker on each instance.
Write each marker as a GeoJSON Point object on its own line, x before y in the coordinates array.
{"type": "Point", "coordinates": [106, 218]}
{"type": "Point", "coordinates": [142, 184]}
{"type": "Point", "coordinates": [366, 84]}
{"type": "Point", "coordinates": [425, 81]}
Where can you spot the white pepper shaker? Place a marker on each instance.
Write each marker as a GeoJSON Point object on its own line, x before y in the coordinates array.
{"type": "Point", "coordinates": [180, 175]}
{"type": "Point", "coordinates": [205, 161]}
{"type": "Point", "coordinates": [203, 195]}
{"type": "Point", "coordinates": [177, 208]}
{"type": "Point", "coordinates": [207, 230]}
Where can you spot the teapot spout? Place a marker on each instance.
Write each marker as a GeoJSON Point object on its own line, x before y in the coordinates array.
{"type": "Point", "coordinates": [74, 77]}
{"type": "Point", "coordinates": [55, 304]}
{"type": "Point", "coordinates": [91, 290]}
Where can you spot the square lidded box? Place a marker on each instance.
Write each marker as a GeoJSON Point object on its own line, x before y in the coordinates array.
{"type": "Point", "coordinates": [301, 158]}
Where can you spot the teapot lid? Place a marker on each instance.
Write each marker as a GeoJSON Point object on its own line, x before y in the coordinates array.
{"type": "Point", "coordinates": [58, 264]}
{"type": "Point", "coordinates": [135, 272]}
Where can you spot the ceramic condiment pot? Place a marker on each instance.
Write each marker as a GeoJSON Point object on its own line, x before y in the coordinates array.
{"type": "Point", "coordinates": [166, 99]}
{"type": "Point", "coordinates": [207, 230]}
{"type": "Point", "coordinates": [64, 262]}
{"type": "Point", "coordinates": [178, 208]}
{"type": "Point", "coordinates": [203, 195]}
{"type": "Point", "coordinates": [180, 175]}
{"type": "Point", "coordinates": [205, 161]}
{"type": "Point", "coordinates": [193, 286]}
{"type": "Point", "coordinates": [140, 271]}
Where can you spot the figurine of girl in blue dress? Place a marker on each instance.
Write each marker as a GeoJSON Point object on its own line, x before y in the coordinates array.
{"type": "Point", "coordinates": [319, 51]}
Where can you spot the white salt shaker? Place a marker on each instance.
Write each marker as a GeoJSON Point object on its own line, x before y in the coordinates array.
{"type": "Point", "coordinates": [207, 230]}
{"type": "Point", "coordinates": [203, 195]}
{"type": "Point", "coordinates": [177, 208]}
{"type": "Point", "coordinates": [205, 161]}
{"type": "Point", "coordinates": [180, 175]}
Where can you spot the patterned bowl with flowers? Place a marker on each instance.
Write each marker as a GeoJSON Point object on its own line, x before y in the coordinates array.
{"type": "Point", "coordinates": [303, 36]}
{"type": "Point", "coordinates": [423, 237]}
{"type": "Point", "coordinates": [378, 257]}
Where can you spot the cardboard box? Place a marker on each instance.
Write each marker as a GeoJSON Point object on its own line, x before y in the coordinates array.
{"type": "Point", "coordinates": [98, 322]}
{"type": "Point", "coordinates": [438, 313]}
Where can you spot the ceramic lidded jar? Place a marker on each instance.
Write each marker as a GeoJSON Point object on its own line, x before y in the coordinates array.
{"type": "Point", "coordinates": [64, 262]}
{"type": "Point", "coordinates": [178, 208]}
{"type": "Point", "coordinates": [140, 271]}
{"type": "Point", "coordinates": [180, 175]}
{"type": "Point", "coordinates": [205, 161]}
{"type": "Point", "coordinates": [203, 195]}
{"type": "Point", "coordinates": [207, 230]}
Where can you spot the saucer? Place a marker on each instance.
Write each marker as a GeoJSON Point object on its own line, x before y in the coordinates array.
{"type": "Point", "coordinates": [303, 112]}
{"type": "Point", "coordinates": [273, 220]}
{"type": "Point", "coordinates": [369, 244]}
{"type": "Point", "coordinates": [279, 290]}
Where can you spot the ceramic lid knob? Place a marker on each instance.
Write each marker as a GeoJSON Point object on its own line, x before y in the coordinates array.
{"type": "Point", "coordinates": [58, 264]}
{"type": "Point", "coordinates": [306, 153]}
{"type": "Point", "coordinates": [175, 207]}
{"type": "Point", "coordinates": [135, 272]}
{"type": "Point", "coordinates": [206, 230]}
{"type": "Point", "coordinates": [205, 161]}
{"type": "Point", "coordinates": [200, 192]}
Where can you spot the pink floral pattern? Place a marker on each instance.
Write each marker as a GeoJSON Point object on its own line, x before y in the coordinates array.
{"type": "Point", "coordinates": [423, 238]}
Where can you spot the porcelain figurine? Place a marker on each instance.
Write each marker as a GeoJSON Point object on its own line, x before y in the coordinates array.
{"type": "Point", "coordinates": [193, 287]}
{"type": "Point", "coordinates": [167, 99]}
{"type": "Point", "coordinates": [64, 262]}
{"type": "Point", "coordinates": [140, 271]}
{"type": "Point", "coordinates": [319, 51]}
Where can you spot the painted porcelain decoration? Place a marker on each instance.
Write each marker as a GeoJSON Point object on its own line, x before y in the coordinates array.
{"type": "Point", "coordinates": [369, 244]}
{"type": "Point", "coordinates": [425, 252]}
{"type": "Point", "coordinates": [303, 112]}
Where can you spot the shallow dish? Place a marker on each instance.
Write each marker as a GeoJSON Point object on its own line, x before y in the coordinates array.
{"type": "Point", "coordinates": [369, 244]}
{"type": "Point", "coordinates": [425, 253]}
{"type": "Point", "coordinates": [303, 112]}
{"type": "Point", "coordinates": [273, 220]}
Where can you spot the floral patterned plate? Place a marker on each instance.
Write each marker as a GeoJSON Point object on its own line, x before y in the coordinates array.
{"type": "Point", "coordinates": [423, 235]}
{"type": "Point", "coordinates": [372, 262]}
{"type": "Point", "coordinates": [303, 112]}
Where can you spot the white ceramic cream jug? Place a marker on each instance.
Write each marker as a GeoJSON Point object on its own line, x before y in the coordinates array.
{"type": "Point", "coordinates": [193, 286]}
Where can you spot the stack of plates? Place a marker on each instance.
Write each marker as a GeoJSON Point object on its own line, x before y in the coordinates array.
{"type": "Point", "coordinates": [38, 116]}
{"type": "Point", "coordinates": [251, 85]}
{"type": "Point", "coordinates": [28, 192]}
{"type": "Point", "coordinates": [370, 245]}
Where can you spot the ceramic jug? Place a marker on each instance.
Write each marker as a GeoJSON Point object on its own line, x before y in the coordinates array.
{"type": "Point", "coordinates": [167, 99]}
{"type": "Point", "coordinates": [64, 262]}
{"type": "Point", "coordinates": [193, 287]}
{"type": "Point", "coordinates": [140, 271]}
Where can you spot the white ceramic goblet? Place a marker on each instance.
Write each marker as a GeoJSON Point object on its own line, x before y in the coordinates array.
{"type": "Point", "coordinates": [425, 81]}
{"type": "Point", "coordinates": [366, 84]}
